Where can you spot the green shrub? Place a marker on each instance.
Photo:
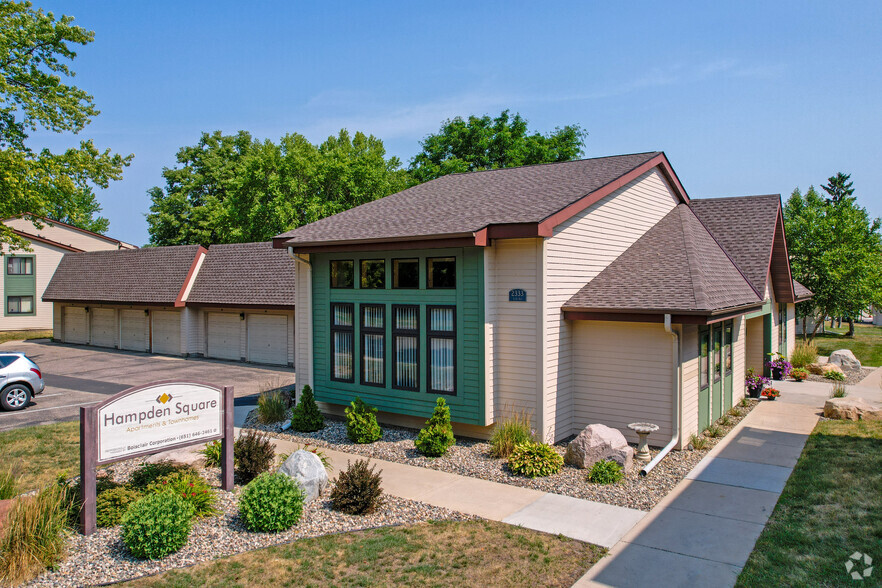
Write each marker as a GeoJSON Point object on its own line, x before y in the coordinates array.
{"type": "Point", "coordinates": [838, 391]}
{"type": "Point", "coordinates": [148, 473]}
{"type": "Point", "coordinates": [8, 485]}
{"type": "Point", "coordinates": [534, 460]}
{"type": "Point", "coordinates": [103, 483]}
{"type": "Point", "coordinates": [213, 454]}
{"type": "Point", "coordinates": [357, 490]}
{"type": "Point", "coordinates": [253, 454]}
{"type": "Point", "coordinates": [361, 422]}
{"type": "Point", "coordinates": [698, 442]}
{"type": "Point", "coordinates": [112, 504]}
{"type": "Point", "coordinates": [835, 376]}
{"type": "Point", "coordinates": [508, 433]}
{"type": "Point", "coordinates": [605, 471]}
{"type": "Point", "coordinates": [745, 402]}
{"type": "Point", "coordinates": [272, 407]}
{"type": "Point", "coordinates": [189, 486]}
{"type": "Point", "coordinates": [724, 421]}
{"type": "Point", "coordinates": [735, 412]}
{"type": "Point", "coordinates": [33, 538]}
{"type": "Point", "coordinates": [437, 436]}
{"type": "Point", "coordinates": [306, 416]}
{"type": "Point", "coordinates": [157, 525]}
{"type": "Point", "coordinates": [713, 432]}
{"type": "Point", "coordinates": [271, 502]}
{"type": "Point", "coordinates": [803, 354]}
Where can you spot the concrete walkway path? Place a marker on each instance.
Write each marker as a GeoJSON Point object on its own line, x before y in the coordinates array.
{"type": "Point", "coordinates": [702, 533]}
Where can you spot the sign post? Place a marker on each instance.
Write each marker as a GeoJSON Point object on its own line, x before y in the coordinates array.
{"type": "Point", "coordinates": [150, 419]}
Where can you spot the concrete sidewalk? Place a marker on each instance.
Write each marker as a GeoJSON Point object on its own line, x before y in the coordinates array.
{"type": "Point", "coordinates": [702, 533]}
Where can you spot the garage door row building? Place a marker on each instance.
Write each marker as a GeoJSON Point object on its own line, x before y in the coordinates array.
{"type": "Point", "coordinates": [233, 302]}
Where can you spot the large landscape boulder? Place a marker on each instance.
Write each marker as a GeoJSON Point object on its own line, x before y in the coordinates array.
{"type": "Point", "coordinates": [822, 369]}
{"type": "Point", "coordinates": [852, 409]}
{"type": "Point", "coordinates": [845, 359]}
{"type": "Point", "coordinates": [597, 442]}
{"type": "Point", "coordinates": [307, 469]}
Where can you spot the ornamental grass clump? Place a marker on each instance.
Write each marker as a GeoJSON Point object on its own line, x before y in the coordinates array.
{"type": "Point", "coordinates": [306, 416]}
{"type": "Point", "coordinates": [804, 354]}
{"type": "Point", "coordinates": [272, 407]}
{"type": "Point", "coordinates": [111, 505]}
{"type": "Point", "coordinates": [535, 460]}
{"type": "Point", "coordinates": [157, 525]}
{"type": "Point", "coordinates": [698, 442]}
{"type": "Point", "coordinates": [357, 490]}
{"type": "Point", "coordinates": [838, 391]}
{"type": "Point", "coordinates": [605, 471]}
{"type": "Point", "coordinates": [437, 436]}
{"type": "Point", "coordinates": [271, 502]}
{"type": "Point", "coordinates": [361, 422]}
{"type": "Point", "coordinates": [253, 454]}
{"type": "Point", "coordinates": [8, 485]}
{"type": "Point", "coordinates": [510, 432]}
{"type": "Point", "coordinates": [189, 486]}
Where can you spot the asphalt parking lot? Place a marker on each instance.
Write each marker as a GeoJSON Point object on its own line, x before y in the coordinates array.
{"type": "Point", "coordinates": [78, 376]}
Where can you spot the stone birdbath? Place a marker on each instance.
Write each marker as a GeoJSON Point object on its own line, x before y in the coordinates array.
{"type": "Point", "coordinates": [643, 430]}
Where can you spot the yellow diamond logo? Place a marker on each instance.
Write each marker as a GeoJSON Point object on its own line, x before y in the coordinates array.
{"type": "Point", "coordinates": [164, 398]}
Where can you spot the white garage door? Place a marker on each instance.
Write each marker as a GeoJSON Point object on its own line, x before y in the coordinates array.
{"type": "Point", "coordinates": [223, 335]}
{"type": "Point", "coordinates": [76, 327]}
{"type": "Point", "coordinates": [133, 330]}
{"type": "Point", "coordinates": [268, 338]}
{"type": "Point", "coordinates": [104, 327]}
{"type": "Point", "coordinates": [167, 332]}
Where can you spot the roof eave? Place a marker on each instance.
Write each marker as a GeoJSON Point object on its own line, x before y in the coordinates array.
{"type": "Point", "coordinates": [685, 316]}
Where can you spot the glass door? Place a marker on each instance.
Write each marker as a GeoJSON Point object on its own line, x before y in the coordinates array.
{"type": "Point", "coordinates": [717, 384]}
{"type": "Point", "coordinates": [704, 378]}
{"type": "Point", "coordinates": [727, 365]}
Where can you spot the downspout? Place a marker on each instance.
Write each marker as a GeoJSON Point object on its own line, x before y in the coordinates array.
{"type": "Point", "coordinates": [296, 258]}
{"type": "Point", "coordinates": [677, 386]}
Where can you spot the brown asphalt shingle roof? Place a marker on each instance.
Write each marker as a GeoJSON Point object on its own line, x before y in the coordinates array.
{"type": "Point", "coordinates": [675, 267]}
{"type": "Point", "coordinates": [801, 292]}
{"type": "Point", "coordinates": [245, 274]}
{"type": "Point", "coordinates": [745, 227]}
{"type": "Point", "coordinates": [461, 204]}
{"type": "Point", "coordinates": [152, 275]}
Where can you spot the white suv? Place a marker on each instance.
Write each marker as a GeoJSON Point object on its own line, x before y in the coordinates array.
{"type": "Point", "coordinates": [20, 380]}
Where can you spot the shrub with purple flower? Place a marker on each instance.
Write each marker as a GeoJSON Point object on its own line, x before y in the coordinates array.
{"type": "Point", "coordinates": [780, 364]}
{"type": "Point", "coordinates": [753, 381]}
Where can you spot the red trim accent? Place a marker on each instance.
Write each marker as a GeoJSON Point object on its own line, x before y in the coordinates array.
{"type": "Point", "coordinates": [237, 306]}
{"type": "Point", "coordinates": [40, 239]}
{"type": "Point", "coordinates": [191, 275]}
{"type": "Point", "coordinates": [481, 238]}
{"type": "Point", "coordinates": [49, 221]}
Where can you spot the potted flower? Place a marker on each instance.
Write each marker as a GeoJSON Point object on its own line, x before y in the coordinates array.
{"type": "Point", "coordinates": [779, 367]}
{"type": "Point", "coordinates": [771, 393]}
{"type": "Point", "coordinates": [798, 374]}
{"type": "Point", "coordinates": [755, 383]}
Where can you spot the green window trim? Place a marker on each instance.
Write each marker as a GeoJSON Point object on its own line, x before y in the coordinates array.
{"type": "Point", "coordinates": [18, 286]}
{"type": "Point", "coordinates": [447, 349]}
{"type": "Point", "coordinates": [411, 334]}
{"type": "Point", "coordinates": [342, 342]}
{"type": "Point", "coordinates": [373, 328]}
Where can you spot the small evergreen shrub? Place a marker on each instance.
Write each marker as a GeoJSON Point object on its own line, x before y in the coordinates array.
{"type": "Point", "coordinates": [253, 454]}
{"type": "Point", "coordinates": [835, 376]}
{"type": "Point", "coordinates": [157, 525]}
{"type": "Point", "coordinates": [605, 471]}
{"type": "Point", "coordinates": [8, 485]}
{"type": "Point", "coordinates": [508, 433]}
{"type": "Point", "coordinates": [437, 436]}
{"type": "Point", "coordinates": [213, 454]}
{"type": "Point", "coordinates": [803, 354]}
{"type": "Point", "coordinates": [357, 490]}
{"type": "Point", "coordinates": [189, 486]}
{"type": "Point", "coordinates": [272, 407]}
{"type": "Point", "coordinates": [361, 422]}
{"type": "Point", "coordinates": [112, 504]}
{"type": "Point", "coordinates": [698, 442]}
{"type": "Point", "coordinates": [271, 502]}
{"type": "Point", "coordinates": [148, 473]}
{"type": "Point", "coordinates": [535, 460]}
{"type": "Point", "coordinates": [306, 416]}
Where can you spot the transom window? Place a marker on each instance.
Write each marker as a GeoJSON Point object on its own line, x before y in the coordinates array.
{"type": "Point", "coordinates": [19, 305]}
{"type": "Point", "coordinates": [405, 273]}
{"type": "Point", "coordinates": [342, 368]}
{"type": "Point", "coordinates": [20, 266]}
{"type": "Point", "coordinates": [406, 347]}
{"type": "Point", "coordinates": [373, 344]}
{"type": "Point", "coordinates": [441, 339]}
{"type": "Point", "coordinates": [441, 272]}
{"type": "Point", "coordinates": [373, 273]}
{"type": "Point", "coordinates": [342, 273]}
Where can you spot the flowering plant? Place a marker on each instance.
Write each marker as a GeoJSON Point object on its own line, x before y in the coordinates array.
{"type": "Point", "coordinates": [753, 381]}
{"type": "Point", "coordinates": [798, 374]}
{"type": "Point", "coordinates": [780, 364]}
{"type": "Point", "coordinates": [771, 393]}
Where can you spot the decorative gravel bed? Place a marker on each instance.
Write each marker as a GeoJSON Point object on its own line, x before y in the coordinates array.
{"type": "Point", "coordinates": [470, 457]}
{"type": "Point", "coordinates": [852, 377]}
{"type": "Point", "coordinates": [102, 558]}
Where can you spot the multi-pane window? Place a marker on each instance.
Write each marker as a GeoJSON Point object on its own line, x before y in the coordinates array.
{"type": "Point", "coordinates": [342, 273]}
{"type": "Point", "coordinates": [406, 347]}
{"type": "Point", "coordinates": [441, 336]}
{"type": "Point", "coordinates": [405, 273]}
{"type": "Point", "coordinates": [20, 266]}
{"type": "Point", "coordinates": [373, 344]}
{"type": "Point", "coordinates": [19, 304]}
{"type": "Point", "coordinates": [342, 368]}
{"type": "Point", "coordinates": [373, 273]}
{"type": "Point", "coordinates": [718, 354]}
{"type": "Point", "coordinates": [728, 342]}
{"type": "Point", "coordinates": [441, 272]}
{"type": "Point", "coordinates": [704, 358]}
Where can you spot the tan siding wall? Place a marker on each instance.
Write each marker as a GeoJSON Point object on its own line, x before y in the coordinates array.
{"type": "Point", "coordinates": [791, 328]}
{"type": "Point", "coordinates": [490, 319]}
{"type": "Point", "coordinates": [580, 249]}
{"type": "Point", "coordinates": [303, 324]}
{"type": "Point", "coordinates": [739, 358]}
{"type": "Point", "coordinates": [64, 235]}
{"type": "Point", "coordinates": [46, 259]}
{"type": "Point", "coordinates": [754, 355]}
{"type": "Point", "coordinates": [56, 320]}
{"type": "Point", "coordinates": [689, 407]}
{"type": "Point", "coordinates": [770, 294]}
{"type": "Point", "coordinates": [623, 373]}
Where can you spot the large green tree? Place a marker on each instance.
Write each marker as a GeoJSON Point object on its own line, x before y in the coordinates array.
{"type": "Point", "coordinates": [35, 49]}
{"type": "Point", "coordinates": [836, 251]}
{"type": "Point", "coordinates": [490, 143]}
{"type": "Point", "coordinates": [233, 188]}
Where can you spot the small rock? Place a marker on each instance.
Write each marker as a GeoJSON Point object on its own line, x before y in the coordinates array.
{"type": "Point", "coordinates": [307, 469]}
{"type": "Point", "coordinates": [830, 367]}
{"type": "Point", "coordinates": [852, 409]}
{"type": "Point", "coordinates": [845, 359]}
{"type": "Point", "coordinates": [597, 442]}
{"type": "Point", "coordinates": [286, 425]}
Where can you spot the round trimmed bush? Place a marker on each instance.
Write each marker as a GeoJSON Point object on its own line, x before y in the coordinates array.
{"type": "Point", "coordinates": [111, 505]}
{"type": "Point", "coordinates": [191, 487]}
{"type": "Point", "coordinates": [271, 502]}
{"type": "Point", "coordinates": [535, 460]}
{"type": "Point", "coordinates": [157, 525]}
{"type": "Point", "coordinates": [605, 471]}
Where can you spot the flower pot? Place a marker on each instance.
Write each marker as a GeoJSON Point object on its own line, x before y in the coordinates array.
{"type": "Point", "coordinates": [754, 392]}
{"type": "Point", "coordinates": [771, 397]}
{"type": "Point", "coordinates": [777, 373]}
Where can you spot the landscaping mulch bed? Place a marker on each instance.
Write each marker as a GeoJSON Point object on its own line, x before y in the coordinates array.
{"type": "Point", "coordinates": [102, 558]}
{"type": "Point", "coordinates": [472, 458]}
{"type": "Point", "coordinates": [852, 377]}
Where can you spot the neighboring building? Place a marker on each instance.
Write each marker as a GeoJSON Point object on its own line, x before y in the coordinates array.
{"type": "Point", "coordinates": [591, 291]}
{"type": "Point", "coordinates": [227, 302]}
{"type": "Point", "coordinates": [26, 273]}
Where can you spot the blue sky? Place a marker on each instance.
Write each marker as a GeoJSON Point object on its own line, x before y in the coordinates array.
{"type": "Point", "coordinates": [744, 97]}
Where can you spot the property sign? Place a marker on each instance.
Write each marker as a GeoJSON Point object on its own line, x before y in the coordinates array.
{"type": "Point", "coordinates": [517, 295]}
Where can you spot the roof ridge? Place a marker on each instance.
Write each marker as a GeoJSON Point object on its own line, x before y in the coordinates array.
{"type": "Point", "coordinates": [547, 163]}
{"type": "Point", "coordinates": [746, 196]}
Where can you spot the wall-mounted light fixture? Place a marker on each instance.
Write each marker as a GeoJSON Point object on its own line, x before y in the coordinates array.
{"type": "Point", "coordinates": [147, 311]}
{"type": "Point", "coordinates": [242, 316]}
{"type": "Point", "coordinates": [87, 309]}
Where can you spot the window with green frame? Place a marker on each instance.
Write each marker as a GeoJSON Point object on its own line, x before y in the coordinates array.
{"type": "Point", "coordinates": [441, 343]}
{"type": "Point", "coordinates": [406, 347]}
{"type": "Point", "coordinates": [342, 342]}
{"type": "Point", "coordinates": [373, 344]}
{"type": "Point", "coordinates": [20, 285]}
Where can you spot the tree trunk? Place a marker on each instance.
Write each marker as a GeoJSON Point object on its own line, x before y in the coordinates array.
{"type": "Point", "coordinates": [850, 332]}
{"type": "Point", "coordinates": [804, 334]}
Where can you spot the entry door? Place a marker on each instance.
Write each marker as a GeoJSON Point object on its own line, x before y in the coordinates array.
{"type": "Point", "coordinates": [717, 384]}
{"type": "Point", "coordinates": [704, 378]}
{"type": "Point", "coordinates": [728, 379]}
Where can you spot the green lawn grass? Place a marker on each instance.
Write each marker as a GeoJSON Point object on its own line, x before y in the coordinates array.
{"type": "Point", "coordinates": [24, 335]}
{"type": "Point", "coordinates": [866, 343]}
{"type": "Point", "coordinates": [471, 553]}
{"type": "Point", "coordinates": [830, 508]}
{"type": "Point", "coordinates": [36, 455]}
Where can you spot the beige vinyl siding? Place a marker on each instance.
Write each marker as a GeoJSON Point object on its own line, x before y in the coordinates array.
{"type": "Point", "coordinates": [65, 235]}
{"type": "Point", "coordinates": [579, 250]}
{"type": "Point", "coordinates": [623, 374]}
{"type": "Point", "coordinates": [791, 328]}
{"type": "Point", "coordinates": [770, 295]}
{"type": "Point", "coordinates": [303, 322]}
{"type": "Point", "coordinates": [57, 310]}
{"type": "Point", "coordinates": [46, 259]}
{"type": "Point", "coordinates": [689, 402]}
{"type": "Point", "coordinates": [490, 318]}
{"type": "Point", "coordinates": [754, 356]}
{"type": "Point", "coordinates": [739, 358]}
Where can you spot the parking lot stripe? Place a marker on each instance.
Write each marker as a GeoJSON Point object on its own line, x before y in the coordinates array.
{"type": "Point", "coordinates": [64, 406]}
